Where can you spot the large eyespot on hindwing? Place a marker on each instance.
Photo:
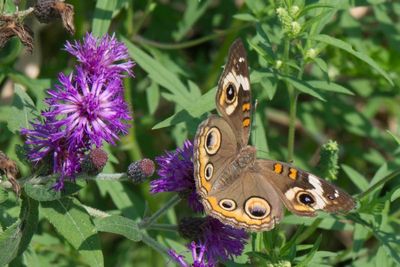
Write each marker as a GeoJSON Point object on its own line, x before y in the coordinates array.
{"type": "Point", "coordinates": [208, 171]}
{"type": "Point", "coordinates": [230, 93]}
{"type": "Point", "coordinates": [257, 208]}
{"type": "Point", "coordinates": [227, 204]}
{"type": "Point", "coordinates": [212, 141]}
{"type": "Point", "coordinates": [305, 198]}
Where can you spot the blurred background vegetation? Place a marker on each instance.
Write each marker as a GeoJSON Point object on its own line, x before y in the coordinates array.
{"type": "Point", "coordinates": [190, 39]}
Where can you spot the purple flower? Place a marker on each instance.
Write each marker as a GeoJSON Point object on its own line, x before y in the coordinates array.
{"type": "Point", "coordinates": [90, 110]}
{"type": "Point", "coordinates": [222, 241]}
{"type": "Point", "coordinates": [176, 175]}
{"type": "Point", "coordinates": [47, 144]}
{"type": "Point", "coordinates": [198, 255]}
{"type": "Point", "coordinates": [85, 109]}
{"type": "Point", "coordinates": [106, 56]}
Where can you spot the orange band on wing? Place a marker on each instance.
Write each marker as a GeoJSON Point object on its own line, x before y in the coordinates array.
{"type": "Point", "coordinates": [246, 122]}
{"type": "Point", "coordinates": [246, 107]}
{"type": "Point", "coordinates": [278, 168]}
{"type": "Point", "coordinates": [293, 173]}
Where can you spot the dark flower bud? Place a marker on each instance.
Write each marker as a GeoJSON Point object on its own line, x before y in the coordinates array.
{"type": "Point", "coordinates": [191, 228]}
{"type": "Point", "coordinates": [139, 170]}
{"type": "Point", "coordinates": [49, 10]}
{"type": "Point", "coordinates": [95, 161]}
{"type": "Point", "coordinates": [11, 26]}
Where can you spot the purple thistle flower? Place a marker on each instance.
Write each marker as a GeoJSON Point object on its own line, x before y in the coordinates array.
{"type": "Point", "coordinates": [176, 175]}
{"type": "Point", "coordinates": [90, 110]}
{"type": "Point", "coordinates": [85, 108]}
{"type": "Point", "coordinates": [106, 56]}
{"type": "Point", "coordinates": [198, 255]}
{"type": "Point", "coordinates": [222, 241]}
{"type": "Point", "coordinates": [47, 143]}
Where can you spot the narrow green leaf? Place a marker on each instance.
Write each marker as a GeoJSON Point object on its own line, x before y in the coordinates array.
{"type": "Point", "coordinates": [160, 74]}
{"type": "Point", "coordinates": [330, 86]}
{"type": "Point", "coordinates": [103, 13]}
{"type": "Point", "coordinates": [258, 136]}
{"type": "Point", "coordinates": [193, 11]}
{"type": "Point", "coordinates": [356, 178]}
{"type": "Point", "coordinates": [245, 17]}
{"type": "Point", "coordinates": [119, 225]}
{"type": "Point", "coordinates": [3, 195]}
{"type": "Point", "coordinates": [72, 221]}
{"type": "Point", "coordinates": [311, 253]}
{"type": "Point", "coordinates": [395, 195]}
{"type": "Point", "coordinates": [29, 216]}
{"type": "Point", "coordinates": [203, 104]}
{"type": "Point", "coordinates": [321, 64]}
{"type": "Point", "coordinates": [348, 48]}
{"type": "Point", "coordinates": [21, 111]}
{"type": "Point", "coordinates": [395, 137]}
{"type": "Point", "coordinates": [302, 86]}
{"type": "Point", "coordinates": [153, 97]}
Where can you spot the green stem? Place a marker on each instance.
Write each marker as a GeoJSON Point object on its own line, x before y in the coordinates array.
{"type": "Point", "coordinates": [163, 227]}
{"type": "Point", "coordinates": [191, 43]}
{"type": "Point", "coordinates": [292, 122]}
{"type": "Point", "coordinates": [154, 244]}
{"type": "Point", "coordinates": [147, 222]}
{"type": "Point", "coordinates": [44, 179]}
{"type": "Point", "coordinates": [378, 184]}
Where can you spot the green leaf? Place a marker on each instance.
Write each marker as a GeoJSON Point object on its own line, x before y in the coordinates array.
{"type": "Point", "coordinates": [202, 105]}
{"type": "Point", "coordinates": [330, 86]}
{"type": "Point", "coordinates": [193, 11]}
{"type": "Point", "coordinates": [395, 195]}
{"type": "Point", "coordinates": [153, 97]}
{"type": "Point", "coordinates": [46, 192]}
{"type": "Point", "coordinates": [311, 253]}
{"type": "Point", "coordinates": [348, 48]}
{"type": "Point", "coordinates": [3, 195]}
{"type": "Point", "coordinates": [72, 221]}
{"type": "Point", "coordinates": [102, 16]}
{"type": "Point", "coordinates": [245, 17]}
{"type": "Point", "coordinates": [356, 178]}
{"type": "Point", "coordinates": [395, 137]}
{"type": "Point", "coordinates": [119, 225]}
{"type": "Point", "coordinates": [161, 75]}
{"type": "Point", "coordinates": [303, 87]}
{"type": "Point", "coordinates": [321, 64]}
{"type": "Point", "coordinates": [21, 111]}
{"type": "Point", "coordinates": [16, 238]}
{"type": "Point", "coordinates": [9, 241]}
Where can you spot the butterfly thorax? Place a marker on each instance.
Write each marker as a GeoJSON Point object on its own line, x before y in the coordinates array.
{"type": "Point", "coordinates": [241, 163]}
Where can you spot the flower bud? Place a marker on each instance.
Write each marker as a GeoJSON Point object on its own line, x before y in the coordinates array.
{"type": "Point", "coordinates": [139, 170]}
{"type": "Point", "coordinates": [311, 53]}
{"type": "Point", "coordinates": [295, 28]}
{"type": "Point", "coordinates": [49, 10]}
{"type": "Point", "coordinates": [278, 64]}
{"type": "Point", "coordinates": [95, 161]}
{"type": "Point", "coordinates": [294, 10]}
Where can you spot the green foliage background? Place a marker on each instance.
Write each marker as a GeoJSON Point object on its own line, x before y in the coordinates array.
{"type": "Point", "coordinates": [341, 71]}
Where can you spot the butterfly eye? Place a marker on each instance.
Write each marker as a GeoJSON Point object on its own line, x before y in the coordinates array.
{"type": "Point", "coordinates": [230, 93]}
{"type": "Point", "coordinates": [209, 171]}
{"type": "Point", "coordinates": [306, 199]}
{"type": "Point", "coordinates": [257, 208]}
{"type": "Point", "coordinates": [213, 141]}
{"type": "Point", "coordinates": [228, 204]}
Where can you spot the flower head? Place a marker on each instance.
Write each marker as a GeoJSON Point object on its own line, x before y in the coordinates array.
{"type": "Point", "coordinates": [47, 143]}
{"type": "Point", "coordinates": [91, 110]}
{"type": "Point", "coordinates": [85, 109]}
{"type": "Point", "coordinates": [176, 175]}
{"type": "Point", "coordinates": [222, 241]}
{"type": "Point", "coordinates": [104, 56]}
{"type": "Point", "coordinates": [198, 254]}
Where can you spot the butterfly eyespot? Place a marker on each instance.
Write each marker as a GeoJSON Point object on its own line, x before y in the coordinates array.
{"type": "Point", "coordinates": [257, 208]}
{"type": "Point", "coordinates": [228, 204]}
{"type": "Point", "coordinates": [305, 199]}
{"type": "Point", "coordinates": [213, 141]}
{"type": "Point", "coordinates": [209, 171]}
{"type": "Point", "coordinates": [230, 93]}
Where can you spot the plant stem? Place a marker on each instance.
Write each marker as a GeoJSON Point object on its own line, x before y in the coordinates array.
{"type": "Point", "coordinates": [154, 244]}
{"type": "Point", "coordinates": [147, 222]}
{"type": "Point", "coordinates": [163, 227]}
{"type": "Point", "coordinates": [292, 122]}
{"type": "Point", "coordinates": [142, 40]}
{"type": "Point", "coordinates": [378, 184]}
